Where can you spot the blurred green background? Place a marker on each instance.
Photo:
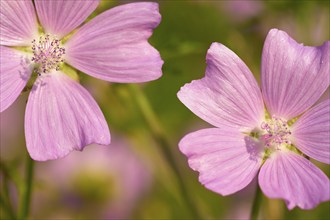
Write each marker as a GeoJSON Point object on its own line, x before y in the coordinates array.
{"type": "Point", "coordinates": [132, 179]}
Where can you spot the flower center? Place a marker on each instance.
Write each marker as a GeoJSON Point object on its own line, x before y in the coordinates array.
{"type": "Point", "coordinates": [276, 132]}
{"type": "Point", "coordinates": [47, 53]}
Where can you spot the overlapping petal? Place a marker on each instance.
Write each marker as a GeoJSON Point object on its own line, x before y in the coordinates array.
{"type": "Point", "coordinates": [293, 178]}
{"type": "Point", "coordinates": [226, 159]}
{"type": "Point", "coordinates": [228, 94]}
{"type": "Point", "coordinates": [18, 23]}
{"type": "Point", "coordinates": [311, 132]}
{"type": "Point", "coordinates": [15, 71]}
{"type": "Point", "coordinates": [60, 17]}
{"type": "Point", "coordinates": [325, 96]}
{"type": "Point", "coordinates": [61, 116]}
{"type": "Point", "coordinates": [113, 46]}
{"type": "Point", "coordinates": [293, 76]}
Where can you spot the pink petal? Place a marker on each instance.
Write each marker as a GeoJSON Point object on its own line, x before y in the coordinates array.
{"type": "Point", "coordinates": [61, 116]}
{"type": "Point", "coordinates": [293, 178]}
{"type": "Point", "coordinates": [60, 17]}
{"type": "Point", "coordinates": [325, 96]}
{"type": "Point", "coordinates": [18, 23]}
{"type": "Point", "coordinates": [293, 76]}
{"type": "Point", "coordinates": [311, 132]}
{"type": "Point", "coordinates": [113, 46]}
{"type": "Point", "coordinates": [228, 94]}
{"type": "Point", "coordinates": [15, 71]}
{"type": "Point", "coordinates": [226, 160]}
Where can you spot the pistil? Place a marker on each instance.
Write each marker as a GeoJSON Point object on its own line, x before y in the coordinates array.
{"type": "Point", "coordinates": [47, 54]}
{"type": "Point", "coordinates": [276, 133]}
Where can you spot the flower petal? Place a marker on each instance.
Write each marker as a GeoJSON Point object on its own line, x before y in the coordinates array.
{"type": "Point", "coordinates": [293, 76]}
{"type": "Point", "coordinates": [18, 23]}
{"type": "Point", "coordinates": [60, 17]}
{"type": "Point", "coordinates": [325, 96]}
{"type": "Point", "coordinates": [293, 178]}
{"type": "Point", "coordinates": [61, 116]}
{"type": "Point", "coordinates": [311, 132]}
{"type": "Point", "coordinates": [15, 71]}
{"type": "Point", "coordinates": [226, 159]}
{"type": "Point", "coordinates": [113, 46]}
{"type": "Point", "coordinates": [228, 94]}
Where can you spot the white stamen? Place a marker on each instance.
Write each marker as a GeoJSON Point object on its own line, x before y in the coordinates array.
{"type": "Point", "coordinates": [47, 53]}
{"type": "Point", "coordinates": [276, 132]}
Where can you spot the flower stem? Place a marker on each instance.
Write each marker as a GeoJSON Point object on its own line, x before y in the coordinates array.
{"type": "Point", "coordinates": [27, 189]}
{"type": "Point", "coordinates": [165, 146]}
{"type": "Point", "coordinates": [256, 204]}
{"type": "Point", "coordinates": [5, 200]}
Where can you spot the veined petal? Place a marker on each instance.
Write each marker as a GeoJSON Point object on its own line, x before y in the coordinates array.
{"type": "Point", "coordinates": [226, 160]}
{"type": "Point", "coordinates": [60, 17]}
{"type": "Point", "coordinates": [311, 132]}
{"type": "Point", "coordinates": [293, 76]}
{"type": "Point", "coordinates": [61, 116]}
{"type": "Point", "coordinates": [113, 46]}
{"type": "Point", "coordinates": [325, 96]}
{"type": "Point", "coordinates": [228, 94]}
{"type": "Point", "coordinates": [295, 179]}
{"type": "Point", "coordinates": [18, 23]}
{"type": "Point", "coordinates": [15, 71]}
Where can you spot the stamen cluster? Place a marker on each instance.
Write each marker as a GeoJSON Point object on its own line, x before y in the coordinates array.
{"type": "Point", "coordinates": [47, 53]}
{"type": "Point", "coordinates": [276, 132]}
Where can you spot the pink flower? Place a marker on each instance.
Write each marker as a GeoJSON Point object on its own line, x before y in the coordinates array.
{"type": "Point", "coordinates": [246, 139]}
{"type": "Point", "coordinates": [61, 115]}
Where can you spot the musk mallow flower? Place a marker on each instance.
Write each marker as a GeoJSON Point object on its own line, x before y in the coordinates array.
{"type": "Point", "coordinates": [249, 141]}
{"type": "Point", "coordinates": [61, 115]}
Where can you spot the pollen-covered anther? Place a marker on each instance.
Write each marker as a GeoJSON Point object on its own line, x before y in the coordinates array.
{"type": "Point", "coordinates": [276, 132]}
{"type": "Point", "coordinates": [47, 53]}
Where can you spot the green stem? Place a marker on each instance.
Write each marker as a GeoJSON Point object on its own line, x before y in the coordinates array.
{"type": "Point", "coordinates": [10, 174]}
{"type": "Point", "coordinates": [27, 189]}
{"type": "Point", "coordinates": [165, 146]}
{"type": "Point", "coordinates": [7, 209]}
{"type": "Point", "coordinates": [256, 204]}
{"type": "Point", "coordinates": [5, 200]}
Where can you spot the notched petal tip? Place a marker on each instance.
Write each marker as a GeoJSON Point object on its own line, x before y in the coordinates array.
{"type": "Point", "coordinates": [279, 35]}
{"type": "Point", "coordinates": [223, 158]}
{"type": "Point", "coordinates": [216, 49]}
{"type": "Point", "coordinates": [296, 180]}
{"type": "Point", "coordinates": [154, 6]}
{"type": "Point", "coordinates": [61, 116]}
{"type": "Point", "coordinates": [228, 94]}
{"type": "Point", "coordinates": [287, 67]}
{"type": "Point", "coordinates": [114, 45]}
{"type": "Point", "coordinates": [274, 31]}
{"type": "Point", "coordinates": [185, 89]}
